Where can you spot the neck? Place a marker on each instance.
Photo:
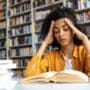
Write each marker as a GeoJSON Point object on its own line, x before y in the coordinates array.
{"type": "Point", "coordinates": [68, 50]}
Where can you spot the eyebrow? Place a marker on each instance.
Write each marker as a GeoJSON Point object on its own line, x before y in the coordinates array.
{"type": "Point", "coordinates": [61, 26]}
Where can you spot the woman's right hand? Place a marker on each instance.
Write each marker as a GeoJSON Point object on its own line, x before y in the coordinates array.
{"type": "Point", "coordinates": [48, 40]}
{"type": "Point", "coordinates": [49, 37]}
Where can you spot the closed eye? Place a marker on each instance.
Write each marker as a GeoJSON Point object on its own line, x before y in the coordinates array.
{"type": "Point", "coordinates": [65, 28]}
{"type": "Point", "coordinates": [56, 30]}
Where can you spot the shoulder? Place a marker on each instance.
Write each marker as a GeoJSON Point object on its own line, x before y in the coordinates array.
{"type": "Point", "coordinates": [79, 49]}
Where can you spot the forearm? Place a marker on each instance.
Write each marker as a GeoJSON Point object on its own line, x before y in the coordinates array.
{"type": "Point", "coordinates": [42, 48]}
{"type": "Point", "coordinates": [86, 43]}
{"type": "Point", "coordinates": [32, 67]}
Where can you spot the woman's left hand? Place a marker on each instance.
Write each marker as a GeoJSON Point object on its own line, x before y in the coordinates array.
{"type": "Point", "coordinates": [78, 33]}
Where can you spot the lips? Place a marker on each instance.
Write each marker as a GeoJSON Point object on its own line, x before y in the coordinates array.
{"type": "Point", "coordinates": [62, 40]}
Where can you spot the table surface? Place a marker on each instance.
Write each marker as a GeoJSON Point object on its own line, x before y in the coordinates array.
{"type": "Point", "coordinates": [52, 86]}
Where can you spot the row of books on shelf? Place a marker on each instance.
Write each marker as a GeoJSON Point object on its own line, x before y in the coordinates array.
{"type": "Point", "coordinates": [41, 14]}
{"type": "Point", "coordinates": [43, 2]}
{"type": "Point", "coordinates": [38, 26]}
{"type": "Point", "coordinates": [21, 62]}
{"type": "Point", "coordinates": [27, 40]}
{"type": "Point", "coordinates": [37, 46]}
{"type": "Point", "coordinates": [2, 33]}
{"type": "Point", "coordinates": [23, 52]}
{"type": "Point", "coordinates": [83, 16]}
{"type": "Point", "coordinates": [3, 24]}
{"type": "Point", "coordinates": [88, 30]}
{"type": "Point", "coordinates": [37, 38]}
{"type": "Point", "coordinates": [36, 2]}
{"type": "Point", "coordinates": [2, 5]}
{"type": "Point", "coordinates": [21, 41]}
{"type": "Point", "coordinates": [82, 4]}
{"type": "Point", "coordinates": [13, 2]}
{"type": "Point", "coordinates": [26, 29]}
{"type": "Point", "coordinates": [2, 14]}
{"type": "Point", "coordinates": [2, 53]}
{"type": "Point", "coordinates": [27, 51]}
{"type": "Point", "coordinates": [20, 9]}
{"type": "Point", "coordinates": [20, 20]}
{"type": "Point", "coordinates": [20, 30]}
{"type": "Point", "coordinates": [2, 43]}
{"type": "Point", "coordinates": [78, 4]}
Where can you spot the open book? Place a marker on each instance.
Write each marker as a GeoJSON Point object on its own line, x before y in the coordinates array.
{"type": "Point", "coordinates": [62, 76]}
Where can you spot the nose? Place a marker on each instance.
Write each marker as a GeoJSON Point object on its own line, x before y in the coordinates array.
{"type": "Point", "coordinates": [61, 32]}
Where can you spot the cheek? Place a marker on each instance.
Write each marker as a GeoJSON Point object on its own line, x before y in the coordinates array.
{"type": "Point", "coordinates": [55, 37]}
{"type": "Point", "coordinates": [70, 33]}
{"type": "Point", "coordinates": [70, 36]}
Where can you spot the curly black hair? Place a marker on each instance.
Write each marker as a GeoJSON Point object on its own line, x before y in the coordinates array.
{"type": "Point", "coordinates": [60, 12]}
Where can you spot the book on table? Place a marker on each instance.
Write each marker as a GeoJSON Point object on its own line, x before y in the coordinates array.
{"type": "Point", "coordinates": [62, 76]}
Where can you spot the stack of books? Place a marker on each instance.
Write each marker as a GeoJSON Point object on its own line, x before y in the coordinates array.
{"type": "Point", "coordinates": [6, 81]}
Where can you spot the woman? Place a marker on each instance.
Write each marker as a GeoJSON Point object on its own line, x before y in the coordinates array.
{"type": "Point", "coordinates": [61, 30]}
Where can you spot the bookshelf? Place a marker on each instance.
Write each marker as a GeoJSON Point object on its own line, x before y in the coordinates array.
{"type": "Point", "coordinates": [25, 20]}
{"type": "Point", "coordinates": [20, 32]}
{"type": "Point", "coordinates": [82, 12]}
{"type": "Point", "coordinates": [3, 28]}
{"type": "Point", "coordinates": [20, 24]}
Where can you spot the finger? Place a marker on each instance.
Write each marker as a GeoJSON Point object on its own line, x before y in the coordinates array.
{"type": "Point", "coordinates": [74, 29]}
{"type": "Point", "coordinates": [70, 24]}
{"type": "Point", "coordinates": [51, 26]}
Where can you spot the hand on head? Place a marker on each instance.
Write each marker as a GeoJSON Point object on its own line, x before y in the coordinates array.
{"type": "Point", "coordinates": [75, 30]}
{"type": "Point", "coordinates": [49, 37]}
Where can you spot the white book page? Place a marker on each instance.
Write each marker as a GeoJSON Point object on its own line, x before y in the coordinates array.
{"type": "Point", "coordinates": [49, 74]}
{"type": "Point", "coordinates": [78, 73]}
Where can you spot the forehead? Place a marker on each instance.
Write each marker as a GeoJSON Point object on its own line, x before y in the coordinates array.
{"type": "Point", "coordinates": [59, 22]}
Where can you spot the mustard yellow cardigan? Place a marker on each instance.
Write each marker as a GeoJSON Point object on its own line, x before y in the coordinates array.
{"type": "Point", "coordinates": [54, 61]}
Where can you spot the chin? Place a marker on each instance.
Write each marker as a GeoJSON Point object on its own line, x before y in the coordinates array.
{"type": "Point", "coordinates": [63, 44]}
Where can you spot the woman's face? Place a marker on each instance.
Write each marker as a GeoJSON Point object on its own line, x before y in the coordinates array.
{"type": "Point", "coordinates": [62, 32]}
